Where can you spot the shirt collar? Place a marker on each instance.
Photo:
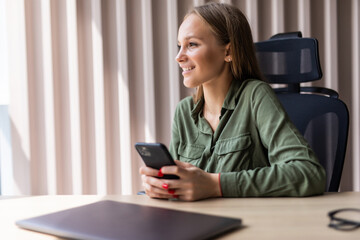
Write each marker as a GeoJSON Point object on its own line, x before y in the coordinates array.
{"type": "Point", "coordinates": [231, 96]}
{"type": "Point", "coordinates": [197, 109]}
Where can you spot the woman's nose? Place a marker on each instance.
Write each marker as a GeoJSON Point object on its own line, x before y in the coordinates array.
{"type": "Point", "coordinates": [180, 56]}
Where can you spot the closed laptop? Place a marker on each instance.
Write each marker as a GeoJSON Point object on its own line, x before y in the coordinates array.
{"type": "Point", "coordinates": [115, 220]}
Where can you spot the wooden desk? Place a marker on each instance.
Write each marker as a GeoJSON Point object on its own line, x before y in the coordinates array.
{"type": "Point", "coordinates": [263, 218]}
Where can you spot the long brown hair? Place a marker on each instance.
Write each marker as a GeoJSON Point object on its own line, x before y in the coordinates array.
{"type": "Point", "coordinates": [230, 25]}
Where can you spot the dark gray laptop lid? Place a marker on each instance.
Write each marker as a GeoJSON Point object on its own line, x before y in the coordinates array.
{"type": "Point", "coordinates": [115, 220]}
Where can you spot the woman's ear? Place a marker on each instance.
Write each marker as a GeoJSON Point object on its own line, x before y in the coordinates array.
{"type": "Point", "coordinates": [228, 57]}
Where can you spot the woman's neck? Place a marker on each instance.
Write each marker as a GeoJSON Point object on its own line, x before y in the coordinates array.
{"type": "Point", "coordinates": [214, 95]}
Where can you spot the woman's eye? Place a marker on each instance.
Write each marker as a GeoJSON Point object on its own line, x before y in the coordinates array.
{"type": "Point", "coordinates": [192, 44]}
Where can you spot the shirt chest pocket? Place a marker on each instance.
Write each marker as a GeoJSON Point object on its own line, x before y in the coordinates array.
{"type": "Point", "coordinates": [234, 153]}
{"type": "Point", "coordinates": [190, 153]}
{"type": "Point", "coordinates": [234, 144]}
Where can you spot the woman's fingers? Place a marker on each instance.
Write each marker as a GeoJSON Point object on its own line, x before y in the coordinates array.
{"type": "Point", "coordinates": [165, 170]}
{"type": "Point", "coordinates": [156, 187]}
{"type": "Point", "coordinates": [183, 164]}
{"type": "Point", "coordinates": [148, 171]}
{"type": "Point", "coordinates": [154, 194]}
{"type": "Point", "coordinates": [181, 170]}
{"type": "Point", "coordinates": [153, 190]}
{"type": "Point", "coordinates": [152, 183]}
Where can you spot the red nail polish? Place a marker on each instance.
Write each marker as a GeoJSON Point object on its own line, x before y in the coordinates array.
{"type": "Point", "coordinates": [171, 191]}
{"type": "Point", "coordinates": [175, 196]}
{"type": "Point", "coordinates": [165, 186]}
{"type": "Point", "coordinates": [160, 174]}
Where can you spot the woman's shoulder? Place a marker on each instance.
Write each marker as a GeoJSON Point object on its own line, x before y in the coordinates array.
{"type": "Point", "coordinates": [187, 101]}
{"type": "Point", "coordinates": [255, 86]}
{"type": "Point", "coordinates": [255, 83]}
{"type": "Point", "coordinates": [185, 104]}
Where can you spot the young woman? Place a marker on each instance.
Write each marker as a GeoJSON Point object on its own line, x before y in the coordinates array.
{"type": "Point", "coordinates": [233, 138]}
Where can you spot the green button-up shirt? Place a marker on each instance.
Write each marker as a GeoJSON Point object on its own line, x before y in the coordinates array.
{"type": "Point", "coordinates": [255, 148]}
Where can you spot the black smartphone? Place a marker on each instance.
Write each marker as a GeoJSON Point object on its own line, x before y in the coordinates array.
{"type": "Point", "coordinates": [156, 155]}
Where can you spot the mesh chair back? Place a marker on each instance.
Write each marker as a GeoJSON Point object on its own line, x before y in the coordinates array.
{"type": "Point", "coordinates": [319, 115]}
{"type": "Point", "coordinates": [324, 123]}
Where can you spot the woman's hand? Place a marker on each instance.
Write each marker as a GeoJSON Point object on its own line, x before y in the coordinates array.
{"type": "Point", "coordinates": [194, 183]}
{"type": "Point", "coordinates": [154, 187]}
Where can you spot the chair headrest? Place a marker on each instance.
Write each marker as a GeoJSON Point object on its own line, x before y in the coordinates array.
{"type": "Point", "coordinates": [289, 58]}
{"type": "Point", "coordinates": [287, 35]}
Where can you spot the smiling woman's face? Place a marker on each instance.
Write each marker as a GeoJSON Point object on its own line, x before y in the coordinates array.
{"type": "Point", "coordinates": [201, 57]}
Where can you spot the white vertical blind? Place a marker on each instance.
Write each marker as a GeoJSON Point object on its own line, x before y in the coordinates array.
{"type": "Point", "coordinates": [98, 98]}
{"type": "Point", "coordinates": [330, 63]}
{"type": "Point", "coordinates": [199, 2]}
{"type": "Point", "coordinates": [5, 136]}
{"type": "Point", "coordinates": [174, 86]}
{"type": "Point", "coordinates": [355, 111]}
{"type": "Point", "coordinates": [88, 79]}
{"type": "Point", "coordinates": [304, 17]}
{"type": "Point", "coordinates": [19, 175]}
{"type": "Point", "coordinates": [148, 64]}
{"type": "Point", "coordinates": [278, 16]}
{"type": "Point", "coordinates": [49, 123]}
{"type": "Point", "coordinates": [124, 99]}
{"type": "Point", "coordinates": [252, 15]}
{"type": "Point", "coordinates": [74, 99]}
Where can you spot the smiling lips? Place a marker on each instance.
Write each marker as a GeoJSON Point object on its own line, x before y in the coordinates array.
{"type": "Point", "coordinates": [188, 69]}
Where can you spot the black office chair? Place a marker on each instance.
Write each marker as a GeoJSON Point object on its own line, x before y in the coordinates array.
{"type": "Point", "coordinates": [317, 112]}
